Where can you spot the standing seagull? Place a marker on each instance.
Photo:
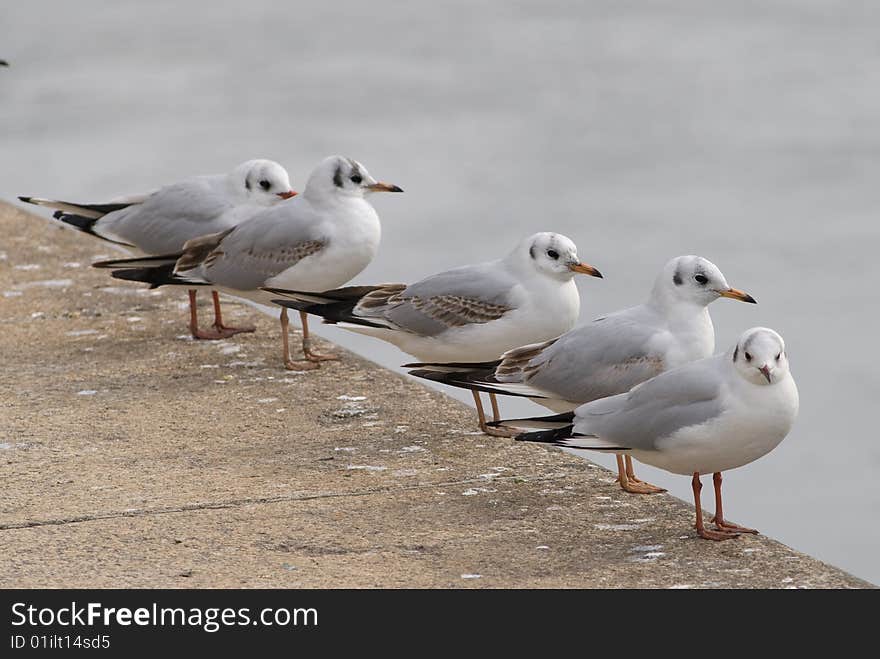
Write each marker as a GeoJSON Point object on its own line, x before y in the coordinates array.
{"type": "Point", "coordinates": [163, 221]}
{"type": "Point", "coordinates": [471, 313]}
{"type": "Point", "coordinates": [317, 241]}
{"type": "Point", "coordinates": [705, 417]}
{"type": "Point", "coordinates": [610, 355]}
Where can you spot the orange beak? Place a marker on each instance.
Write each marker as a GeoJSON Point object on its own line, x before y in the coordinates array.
{"type": "Point", "coordinates": [585, 269]}
{"type": "Point", "coordinates": [736, 294]}
{"type": "Point", "coordinates": [384, 187]}
{"type": "Point", "coordinates": [286, 195]}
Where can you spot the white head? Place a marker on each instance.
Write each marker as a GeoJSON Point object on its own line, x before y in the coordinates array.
{"type": "Point", "coordinates": [759, 356]}
{"type": "Point", "coordinates": [551, 254]}
{"type": "Point", "coordinates": [339, 177]}
{"type": "Point", "coordinates": [262, 182]}
{"type": "Point", "coordinates": [694, 280]}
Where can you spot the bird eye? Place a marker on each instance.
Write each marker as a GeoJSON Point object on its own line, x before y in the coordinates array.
{"type": "Point", "coordinates": [778, 356]}
{"type": "Point", "coordinates": [748, 357]}
{"type": "Point", "coordinates": [553, 254]}
{"type": "Point", "coordinates": [356, 178]}
{"type": "Point", "coordinates": [701, 279]}
{"type": "Point", "coordinates": [265, 184]}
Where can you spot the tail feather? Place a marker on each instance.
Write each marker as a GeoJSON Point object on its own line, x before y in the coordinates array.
{"type": "Point", "coordinates": [332, 313]}
{"type": "Point", "coordinates": [94, 211]}
{"type": "Point", "coordinates": [566, 437]}
{"type": "Point", "coordinates": [338, 305]}
{"type": "Point", "coordinates": [325, 297]}
{"type": "Point", "coordinates": [554, 436]}
{"type": "Point", "coordinates": [477, 376]}
{"type": "Point", "coordinates": [80, 216]}
{"type": "Point", "coordinates": [155, 276]}
{"type": "Point", "coordinates": [139, 262]}
{"type": "Point", "coordinates": [551, 422]}
{"type": "Point", "coordinates": [452, 367]}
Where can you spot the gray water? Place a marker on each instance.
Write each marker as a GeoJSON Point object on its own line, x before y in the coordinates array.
{"type": "Point", "coordinates": [749, 134]}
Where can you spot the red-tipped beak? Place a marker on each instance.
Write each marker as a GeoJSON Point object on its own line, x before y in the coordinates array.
{"type": "Point", "coordinates": [286, 195]}
{"type": "Point", "coordinates": [765, 370]}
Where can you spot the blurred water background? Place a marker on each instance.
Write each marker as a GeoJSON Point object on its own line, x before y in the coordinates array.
{"type": "Point", "coordinates": [746, 132]}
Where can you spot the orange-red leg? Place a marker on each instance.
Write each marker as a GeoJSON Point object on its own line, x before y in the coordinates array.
{"type": "Point", "coordinates": [632, 477]}
{"type": "Point", "coordinates": [307, 342]}
{"type": "Point", "coordinates": [496, 415]}
{"type": "Point", "coordinates": [628, 481]}
{"type": "Point", "coordinates": [289, 364]}
{"type": "Point", "coordinates": [205, 335]}
{"type": "Point", "coordinates": [226, 330]}
{"type": "Point", "coordinates": [481, 416]}
{"type": "Point", "coordinates": [702, 531]}
{"type": "Point", "coordinates": [720, 523]}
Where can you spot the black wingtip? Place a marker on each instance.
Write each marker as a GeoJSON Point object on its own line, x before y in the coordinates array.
{"type": "Point", "coordinates": [462, 366]}
{"type": "Point", "coordinates": [553, 436]}
{"type": "Point", "coordinates": [291, 304]}
{"type": "Point", "coordinates": [276, 291]}
{"type": "Point", "coordinates": [28, 200]}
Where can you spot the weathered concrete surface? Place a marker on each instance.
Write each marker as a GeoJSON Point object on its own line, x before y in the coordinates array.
{"type": "Point", "coordinates": [133, 456]}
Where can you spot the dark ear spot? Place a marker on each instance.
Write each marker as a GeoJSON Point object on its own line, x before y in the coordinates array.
{"type": "Point", "coordinates": [676, 278]}
{"type": "Point", "coordinates": [735, 353]}
{"type": "Point", "coordinates": [532, 251]}
{"type": "Point", "coordinates": [247, 183]}
{"type": "Point", "coordinates": [337, 177]}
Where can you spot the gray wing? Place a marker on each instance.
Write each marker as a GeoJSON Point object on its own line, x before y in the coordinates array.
{"type": "Point", "coordinates": [468, 295]}
{"type": "Point", "coordinates": [685, 396]}
{"type": "Point", "coordinates": [169, 217]}
{"type": "Point", "coordinates": [262, 247]}
{"type": "Point", "coordinates": [607, 356]}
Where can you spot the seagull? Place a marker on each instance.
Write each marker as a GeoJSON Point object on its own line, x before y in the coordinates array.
{"type": "Point", "coordinates": [471, 313]}
{"type": "Point", "coordinates": [611, 354]}
{"type": "Point", "coordinates": [317, 241]}
{"type": "Point", "coordinates": [706, 417]}
{"type": "Point", "coordinates": [161, 222]}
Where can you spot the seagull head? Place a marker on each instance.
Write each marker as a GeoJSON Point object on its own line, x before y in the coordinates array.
{"type": "Point", "coordinates": [263, 182]}
{"type": "Point", "coordinates": [759, 356]}
{"type": "Point", "coordinates": [552, 254]}
{"type": "Point", "coordinates": [695, 280]}
{"type": "Point", "coordinates": [338, 176]}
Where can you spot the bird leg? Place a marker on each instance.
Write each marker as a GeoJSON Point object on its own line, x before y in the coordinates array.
{"type": "Point", "coordinates": [496, 415]}
{"type": "Point", "coordinates": [205, 335]}
{"type": "Point", "coordinates": [631, 477]}
{"type": "Point", "coordinates": [307, 342]}
{"type": "Point", "coordinates": [227, 330]}
{"type": "Point", "coordinates": [702, 531]}
{"type": "Point", "coordinates": [481, 415]}
{"type": "Point", "coordinates": [720, 523]}
{"type": "Point", "coordinates": [628, 481]}
{"type": "Point", "coordinates": [289, 364]}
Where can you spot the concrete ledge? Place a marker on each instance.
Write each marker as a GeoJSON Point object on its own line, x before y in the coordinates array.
{"type": "Point", "coordinates": [132, 456]}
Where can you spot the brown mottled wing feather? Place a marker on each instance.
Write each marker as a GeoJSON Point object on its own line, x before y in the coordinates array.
{"type": "Point", "coordinates": [457, 310]}
{"type": "Point", "coordinates": [456, 298]}
{"type": "Point", "coordinates": [200, 250]}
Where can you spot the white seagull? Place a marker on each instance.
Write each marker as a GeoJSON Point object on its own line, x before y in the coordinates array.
{"type": "Point", "coordinates": [610, 355]}
{"type": "Point", "coordinates": [471, 313]}
{"type": "Point", "coordinates": [705, 417]}
{"type": "Point", "coordinates": [316, 241]}
{"type": "Point", "coordinates": [161, 222]}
